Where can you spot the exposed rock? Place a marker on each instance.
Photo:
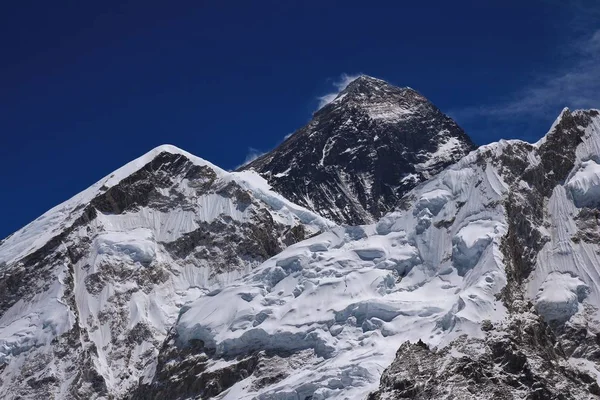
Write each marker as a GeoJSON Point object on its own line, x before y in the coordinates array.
{"type": "Point", "coordinates": [519, 360]}
{"type": "Point", "coordinates": [363, 151]}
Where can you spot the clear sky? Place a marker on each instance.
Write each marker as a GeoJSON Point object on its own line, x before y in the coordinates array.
{"type": "Point", "coordinates": [87, 86]}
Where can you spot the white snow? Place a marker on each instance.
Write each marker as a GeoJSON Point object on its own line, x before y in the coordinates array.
{"type": "Point", "coordinates": [433, 201]}
{"type": "Point", "coordinates": [351, 296]}
{"type": "Point", "coordinates": [585, 184]}
{"type": "Point", "coordinates": [23, 327]}
{"type": "Point", "coordinates": [138, 245]}
{"type": "Point", "coordinates": [559, 296]}
{"type": "Point", "coordinates": [471, 241]}
{"type": "Point", "coordinates": [388, 112]}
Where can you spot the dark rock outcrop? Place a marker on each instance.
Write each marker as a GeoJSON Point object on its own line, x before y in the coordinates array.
{"type": "Point", "coordinates": [363, 151]}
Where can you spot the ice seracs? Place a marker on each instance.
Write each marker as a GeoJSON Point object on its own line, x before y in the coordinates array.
{"type": "Point", "coordinates": [585, 184]}
{"type": "Point", "coordinates": [353, 295]}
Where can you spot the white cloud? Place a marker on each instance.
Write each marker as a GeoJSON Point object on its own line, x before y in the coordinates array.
{"type": "Point", "coordinates": [576, 85]}
{"type": "Point", "coordinates": [340, 84]}
{"type": "Point", "coordinates": [252, 155]}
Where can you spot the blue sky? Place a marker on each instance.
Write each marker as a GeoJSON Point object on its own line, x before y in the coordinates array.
{"type": "Point", "coordinates": [88, 86]}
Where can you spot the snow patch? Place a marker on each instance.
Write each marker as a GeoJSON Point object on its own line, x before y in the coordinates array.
{"type": "Point", "coordinates": [559, 296]}
{"type": "Point", "coordinates": [470, 243]}
{"type": "Point", "coordinates": [585, 184]}
{"type": "Point", "coordinates": [433, 201]}
{"type": "Point", "coordinates": [137, 245]}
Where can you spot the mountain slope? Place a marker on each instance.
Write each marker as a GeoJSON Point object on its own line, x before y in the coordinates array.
{"type": "Point", "coordinates": [490, 270]}
{"type": "Point", "coordinates": [547, 347]}
{"type": "Point", "coordinates": [90, 289]}
{"type": "Point", "coordinates": [363, 151]}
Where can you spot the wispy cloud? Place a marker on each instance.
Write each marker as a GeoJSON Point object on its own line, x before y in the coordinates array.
{"type": "Point", "coordinates": [252, 155]}
{"type": "Point", "coordinates": [339, 84]}
{"type": "Point", "coordinates": [575, 85]}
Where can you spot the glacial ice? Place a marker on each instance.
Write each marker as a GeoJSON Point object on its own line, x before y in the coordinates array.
{"type": "Point", "coordinates": [138, 245]}
{"type": "Point", "coordinates": [351, 294]}
{"type": "Point", "coordinates": [470, 242]}
{"type": "Point", "coordinates": [585, 184]}
{"type": "Point", "coordinates": [559, 296]}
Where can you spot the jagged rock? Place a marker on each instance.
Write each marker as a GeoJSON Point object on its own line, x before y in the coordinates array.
{"type": "Point", "coordinates": [519, 360]}
{"type": "Point", "coordinates": [363, 151]}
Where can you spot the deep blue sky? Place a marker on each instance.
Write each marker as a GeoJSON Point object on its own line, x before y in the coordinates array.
{"type": "Point", "coordinates": [87, 86]}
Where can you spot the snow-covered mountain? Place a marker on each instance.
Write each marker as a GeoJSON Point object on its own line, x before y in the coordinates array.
{"type": "Point", "coordinates": [89, 290]}
{"type": "Point", "coordinates": [490, 271]}
{"type": "Point", "coordinates": [547, 343]}
{"type": "Point", "coordinates": [172, 278]}
{"type": "Point", "coordinates": [363, 151]}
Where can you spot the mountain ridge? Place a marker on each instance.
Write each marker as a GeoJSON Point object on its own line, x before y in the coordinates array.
{"type": "Point", "coordinates": [174, 278]}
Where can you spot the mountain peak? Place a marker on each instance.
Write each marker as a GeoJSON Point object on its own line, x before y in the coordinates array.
{"type": "Point", "coordinates": [363, 151]}
{"type": "Point", "coordinates": [377, 98]}
{"type": "Point", "coordinates": [367, 80]}
{"type": "Point", "coordinates": [568, 123]}
{"type": "Point", "coordinates": [369, 84]}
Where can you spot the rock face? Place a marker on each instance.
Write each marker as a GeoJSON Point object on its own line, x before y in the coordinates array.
{"type": "Point", "coordinates": [363, 151]}
{"type": "Point", "coordinates": [89, 291]}
{"type": "Point", "coordinates": [517, 359]}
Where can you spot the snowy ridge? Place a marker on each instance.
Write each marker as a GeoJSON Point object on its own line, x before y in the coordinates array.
{"type": "Point", "coordinates": [115, 264]}
{"type": "Point", "coordinates": [37, 233]}
{"type": "Point", "coordinates": [567, 273]}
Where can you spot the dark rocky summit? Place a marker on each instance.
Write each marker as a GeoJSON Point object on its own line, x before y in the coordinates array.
{"type": "Point", "coordinates": [363, 151]}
